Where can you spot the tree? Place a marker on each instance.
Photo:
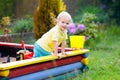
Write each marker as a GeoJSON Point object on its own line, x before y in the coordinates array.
{"type": "Point", "coordinates": [45, 15]}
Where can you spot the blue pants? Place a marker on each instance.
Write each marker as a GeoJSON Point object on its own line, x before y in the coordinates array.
{"type": "Point", "coordinates": [39, 52]}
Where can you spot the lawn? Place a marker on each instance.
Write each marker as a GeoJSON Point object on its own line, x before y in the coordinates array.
{"type": "Point", "coordinates": [104, 60]}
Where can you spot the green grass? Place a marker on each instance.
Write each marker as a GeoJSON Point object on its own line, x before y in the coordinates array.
{"type": "Point", "coordinates": [104, 60]}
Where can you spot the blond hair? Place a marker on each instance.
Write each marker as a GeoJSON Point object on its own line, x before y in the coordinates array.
{"type": "Point", "coordinates": [64, 14]}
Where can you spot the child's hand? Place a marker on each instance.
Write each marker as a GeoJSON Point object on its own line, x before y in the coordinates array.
{"type": "Point", "coordinates": [59, 56]}
{"type": "Point", "coordinates": [56, 54]}
{"type": "Point", "coordinates": [74, 48]}
{"type": "Point", "coordinates": [65, 54]}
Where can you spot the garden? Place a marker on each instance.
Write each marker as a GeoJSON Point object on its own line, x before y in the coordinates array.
{"type": "Point", "coordinates": [98, 21]}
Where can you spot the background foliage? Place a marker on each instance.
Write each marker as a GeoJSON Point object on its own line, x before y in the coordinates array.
{"type": "Point", "coordinates": [111, 7]}
{"type": "Point", "coordinates": [107, 11]}
{"type": "Point", "coordinates": [7, 7]}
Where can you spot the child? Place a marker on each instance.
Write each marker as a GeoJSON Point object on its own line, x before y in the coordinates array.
{"type": "Point", "coordinates": [49, 42]}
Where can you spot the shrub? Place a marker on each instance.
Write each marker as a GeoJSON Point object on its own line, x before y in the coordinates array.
{"type": "Point", "coordinates": [22, 25]}
{"type": "Point", "coordinates": [5, 21]}
{"type": "Point", "coordinates": [86, 26]}
{"type": "Point", "coordinates": [91, 26]}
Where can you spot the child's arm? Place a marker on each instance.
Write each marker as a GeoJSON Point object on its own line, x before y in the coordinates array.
{"type": "Point", "coordinates": [55, 52]}
{"type": "Point", "coordinates": [63, 47]}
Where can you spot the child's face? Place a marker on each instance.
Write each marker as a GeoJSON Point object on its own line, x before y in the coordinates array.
{"type": "Point", "coordinates": [63, 22]}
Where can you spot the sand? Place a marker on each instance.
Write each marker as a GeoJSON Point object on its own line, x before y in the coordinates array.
{"type": "Point", "coordinates": [4, 59]}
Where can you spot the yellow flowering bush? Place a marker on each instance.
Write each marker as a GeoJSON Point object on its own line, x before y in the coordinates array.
{"type": "Point", "coordinates": [5, 21]}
